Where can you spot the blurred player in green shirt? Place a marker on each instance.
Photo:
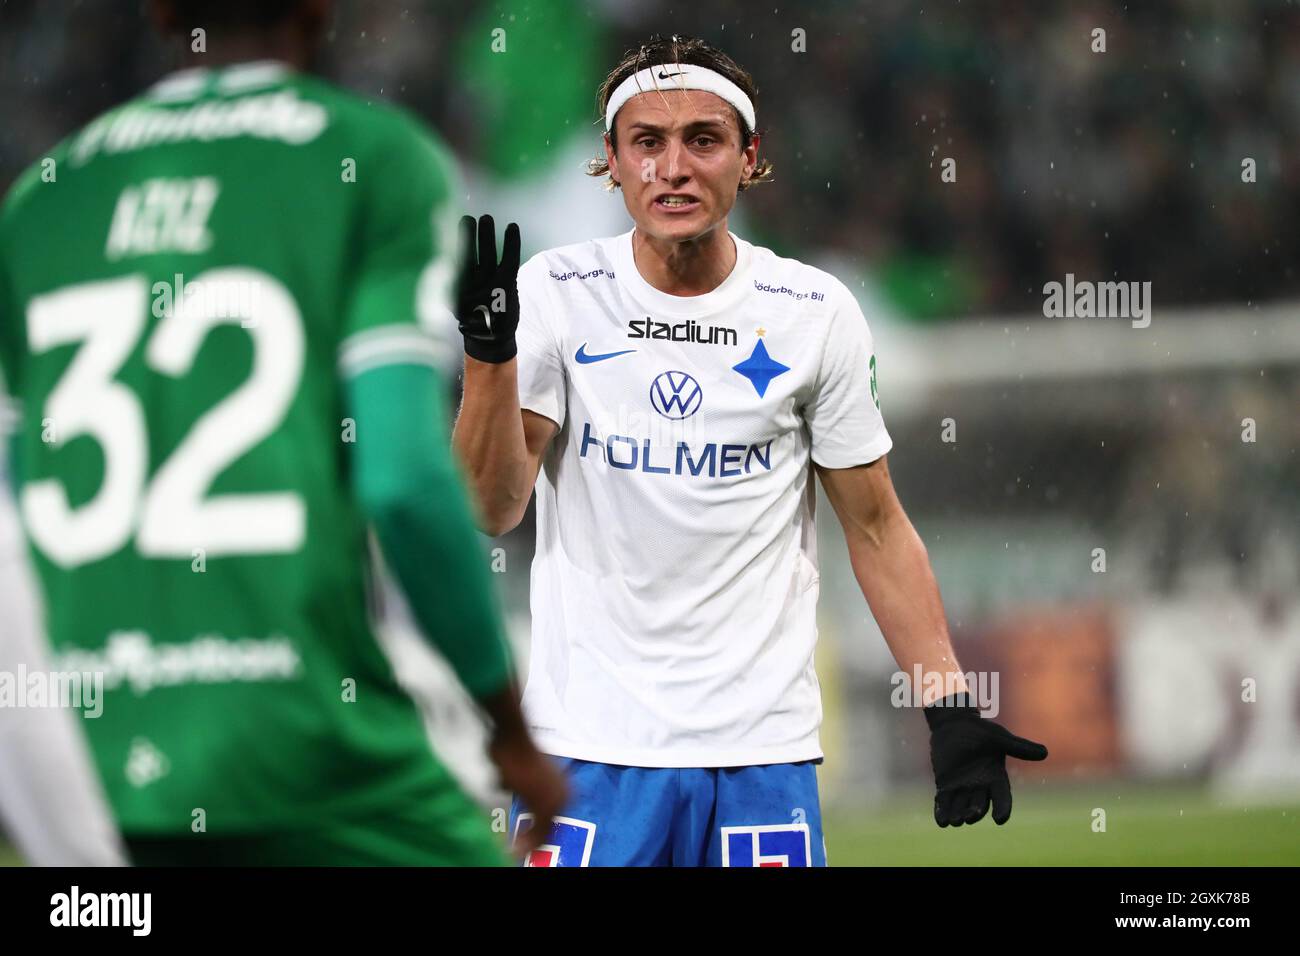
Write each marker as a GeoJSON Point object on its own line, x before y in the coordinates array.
{"type": "Point", "coordinates": [218, 306]}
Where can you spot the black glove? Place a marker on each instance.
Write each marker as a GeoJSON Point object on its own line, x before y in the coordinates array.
{"type": "Point", "coordinates": [968, 754]}
{"type": "Point", "coordinates": [487, 298]}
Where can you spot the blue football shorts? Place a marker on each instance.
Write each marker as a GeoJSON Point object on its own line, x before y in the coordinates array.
{"type": "Point", "coordinates": [651, 816]}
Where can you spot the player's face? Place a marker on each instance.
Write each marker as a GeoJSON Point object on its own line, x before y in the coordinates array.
{"type": "Point", "coordinates": [683, 144]}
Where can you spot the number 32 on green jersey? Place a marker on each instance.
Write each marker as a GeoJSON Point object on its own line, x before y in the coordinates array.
{"type": "Point", "coordinates": [171, 516]}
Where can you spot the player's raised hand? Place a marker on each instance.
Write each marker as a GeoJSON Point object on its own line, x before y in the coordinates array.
{"type": "Point", "coordinates": [487, 297]}
{"type": "Point", "coordinates": [969, 757]}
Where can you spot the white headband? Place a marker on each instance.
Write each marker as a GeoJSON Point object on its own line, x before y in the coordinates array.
{"type": "Point", "coordinates": [679, 76]}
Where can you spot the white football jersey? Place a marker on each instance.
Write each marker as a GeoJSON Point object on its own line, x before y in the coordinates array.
{"type": "Point", "coordinates": [674, 587]}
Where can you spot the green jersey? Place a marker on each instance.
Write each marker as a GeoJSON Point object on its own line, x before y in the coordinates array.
{"type": "Point", "coordinates": [183, 283]}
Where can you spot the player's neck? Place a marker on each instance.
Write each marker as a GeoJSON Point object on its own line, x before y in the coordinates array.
{"type": "Point", "coordinates": [688, 268]}
{"type": "Point", "coordinates": [251, 49]}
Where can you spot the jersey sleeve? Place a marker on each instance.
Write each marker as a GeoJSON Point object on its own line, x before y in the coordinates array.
{"type": "Point", "coordinates": [542, 387]}
{"type": "Point", "coordinates": [12, 321]}
{"type": "Point", "coordinates": [408, 486]}
{"type": "Point", "coordinates": [13, 349]}
{"type": "Point", "coordinates": [843, 414]}
{"type": "Point", "coordinates": [399, 305]}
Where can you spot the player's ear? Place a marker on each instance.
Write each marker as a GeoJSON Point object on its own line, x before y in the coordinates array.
{"type": "Point", "coordinates": [751, 157]}
{"type": "Point", "coordinates": [610, 159]}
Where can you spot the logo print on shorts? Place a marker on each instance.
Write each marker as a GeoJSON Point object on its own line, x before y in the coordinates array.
{"type": "Point", "coordinates": [676, 395]}
{"type": "Point", "coordinates": [568, 844]}
{"type": "Point", "coordinates": [782, 844]}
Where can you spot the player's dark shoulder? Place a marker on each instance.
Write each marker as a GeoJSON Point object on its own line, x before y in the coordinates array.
{"type": "Point", "coordinates": [25, 191]}
{"type": "Point", "coordinates": [20, 192]}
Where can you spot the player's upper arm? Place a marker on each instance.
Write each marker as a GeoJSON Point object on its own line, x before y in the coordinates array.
{"type": "Point", "coordinates": [542, 383]}
{"type": "Point", "coordinates": [398, 300]}
{"type": "Point", "coordinates": [843, 412]}
{"type": "Point", "coordinates": [538, 432]}
{"type": "Point", "coordinates": [863, 497]}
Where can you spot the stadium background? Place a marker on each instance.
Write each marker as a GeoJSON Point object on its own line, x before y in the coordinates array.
{"type": "Point", "coordinates": [1071, 434]}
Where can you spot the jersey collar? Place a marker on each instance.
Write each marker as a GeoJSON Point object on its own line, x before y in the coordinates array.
{"type": "Point", "coordinates": [726, 295]}
{"type": "Point", "coordinates": [192, 81]}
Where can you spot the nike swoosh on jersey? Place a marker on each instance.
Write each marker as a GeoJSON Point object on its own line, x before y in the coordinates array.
{"type": "Point", "coordinates": [585, 359]}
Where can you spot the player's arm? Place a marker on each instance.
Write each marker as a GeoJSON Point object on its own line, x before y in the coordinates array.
{"type": "Point", "coordinates": [889, 559]}
{"type": "Point", "coordinates": [892, 567]}
{"type": "Point", "coordinates": [968, 753]}
{"type": "Point", "coordinates": [407, 485]}
{"type": "Point", "coordinates": [402, 471]}
{"type": "Point", "coordinates": [849, 447]}
{"type": "Point", "coordinates": [499, 443]}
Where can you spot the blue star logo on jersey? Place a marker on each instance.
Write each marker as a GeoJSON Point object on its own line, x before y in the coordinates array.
{"type": "Point", "coordinates": [760, 368]}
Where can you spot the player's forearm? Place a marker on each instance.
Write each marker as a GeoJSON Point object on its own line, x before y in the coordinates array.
{"type": "Point", "coordinates": [408, 488]}
{"type": "Point", "coordinates": [893, 569]}
{"type": "Point", "coordinates": [429, 533]}
{"type": "Point", "coordinates": [489, 439]}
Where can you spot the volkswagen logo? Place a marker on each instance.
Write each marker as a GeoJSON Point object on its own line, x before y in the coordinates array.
{"type": "Point", "coordinates": [675, 395]}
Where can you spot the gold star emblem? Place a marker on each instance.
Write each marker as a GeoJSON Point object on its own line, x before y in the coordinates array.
{"type": "Point", "coordinates": [760, 332]}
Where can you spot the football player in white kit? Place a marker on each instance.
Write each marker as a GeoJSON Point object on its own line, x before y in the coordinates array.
{"type": "Point", "coordinates": [670, 393]}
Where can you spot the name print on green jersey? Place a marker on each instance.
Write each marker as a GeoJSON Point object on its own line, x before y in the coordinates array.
{"type": "Point", "coordinates": [162, 215]}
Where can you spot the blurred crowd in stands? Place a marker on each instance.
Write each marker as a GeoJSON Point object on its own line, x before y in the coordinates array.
{"type": "Point", "coordinates": [1120, 164]}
